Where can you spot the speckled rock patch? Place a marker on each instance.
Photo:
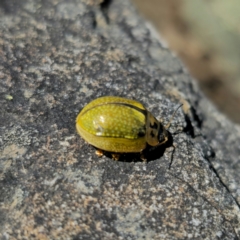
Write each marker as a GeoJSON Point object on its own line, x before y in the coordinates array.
{"type": "Point", "coordinates": [55, 57]}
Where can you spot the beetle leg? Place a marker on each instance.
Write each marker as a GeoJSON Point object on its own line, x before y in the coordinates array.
{"type": "Point", "coordinates": [143, 158]}
{"type": "Point", "coordinates": [99, 153]}
{"type": "Point", "coordinates": [116, 156]}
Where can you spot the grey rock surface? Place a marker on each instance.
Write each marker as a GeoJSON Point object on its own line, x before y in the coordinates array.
{"type": "Point", "coordinates": [55, 57]}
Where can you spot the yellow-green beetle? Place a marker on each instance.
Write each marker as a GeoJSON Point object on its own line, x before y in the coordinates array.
{"type": "Point", "coordinates": [120, 125]}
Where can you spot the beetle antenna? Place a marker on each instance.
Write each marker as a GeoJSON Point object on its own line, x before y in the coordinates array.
{"type": "Point", "coordinates": [169, 123]}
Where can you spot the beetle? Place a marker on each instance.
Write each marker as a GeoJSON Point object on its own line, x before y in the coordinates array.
{"type": "Point", "coordinates": [120, 125]}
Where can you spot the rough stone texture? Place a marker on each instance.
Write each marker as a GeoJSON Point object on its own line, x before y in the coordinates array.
{"type": "Point", "coordinates": [56, 56]}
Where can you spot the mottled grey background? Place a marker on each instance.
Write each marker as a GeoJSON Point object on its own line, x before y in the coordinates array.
{"type": "Point", "coordinates": [56, 56]}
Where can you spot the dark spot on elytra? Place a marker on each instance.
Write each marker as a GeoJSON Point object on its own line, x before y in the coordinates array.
{"type": "Point", "coordinates": [141, 134]}
{"type": "Point", "coordinates": [142, 131]}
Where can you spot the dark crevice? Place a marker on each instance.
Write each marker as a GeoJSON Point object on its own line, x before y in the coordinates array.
{"type": "Point", "coordinates": [220, 180]}
{"type": "Point", "coordinates": [104, 6]}
{"type": "Point", "coordinates": [206, 200]}
{"type": "Point", "coordinates": [196, 117]}
{"type": "Point", "coordinates": [189, 129]}
{"type": "Point", "coordinates": [93, 18]}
